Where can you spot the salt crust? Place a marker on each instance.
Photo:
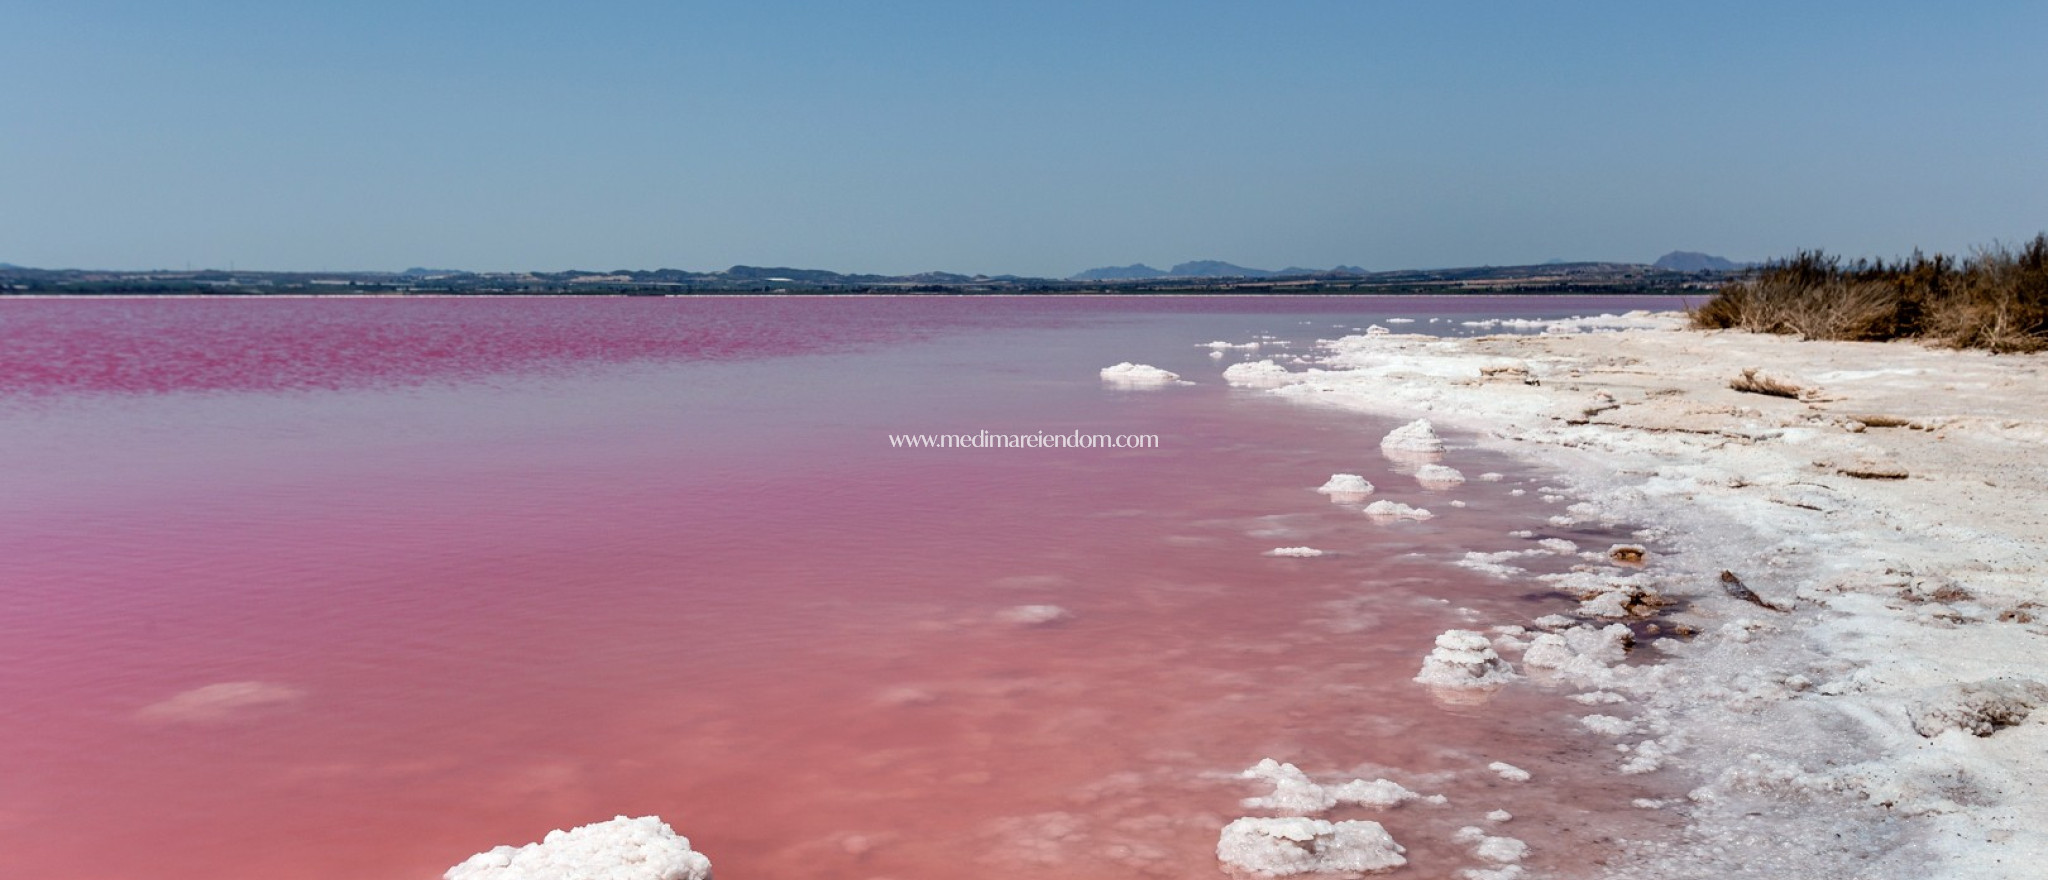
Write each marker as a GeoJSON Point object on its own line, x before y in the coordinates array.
{"type": "Point", "coordinates": [1800, 720]}
{"type": "Point", "coordinates": [621, 849]}
{"type": "Point", "coordinates": [1296, 552]}
{"type": "Point", "coordinates": [1293, 845]}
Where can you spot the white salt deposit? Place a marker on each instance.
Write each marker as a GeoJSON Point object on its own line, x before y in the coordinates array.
{"type": "Point", "coordinates": [1346, 484]}
{"type": "Point", "coordinates": [1294, 793]}
{"type": "Point", "coordinates": [1257, 374]}
{"type": "Point", "coordinates": [1499, 816]}
{"type": "Point", "coordinates": [1508, 771]}
{"type": "Point", "coordinates": [1415, 437]}
{"type": "Point", "coordinates": [1384, 510]}
{"type": "Point", "coordinates": [1800, 778]}
{"type": "Point", "coordinates": [1138, 375]}
{"type": "Point", "coordinates": [1289, 846]}
{"type": "Point", "coordinates": [1464, 659]}
{"type": "Point", "coordinates": [621, 849]}
{"type": "Point", "coordinates": [1295, 552]}
{"type": "Point", "coordinates": [1220, 345]}
{"type": "Point", "coordinates": [1436, 476]}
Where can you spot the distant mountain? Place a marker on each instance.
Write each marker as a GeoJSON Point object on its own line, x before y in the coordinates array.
{"type": "Point", "coordinates": [1118, 273]}
{"type": "Point", "coordinates": [1690, 261]}
{"type": "Point", "coordinates": [1216, 269]}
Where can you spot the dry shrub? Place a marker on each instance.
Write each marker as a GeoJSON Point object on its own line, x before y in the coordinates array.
{"type": "Point", "coordinates": [1997, 299]}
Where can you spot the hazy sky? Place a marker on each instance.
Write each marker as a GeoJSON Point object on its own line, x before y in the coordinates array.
{"type": "Point", "coordinates": [1037, 138]}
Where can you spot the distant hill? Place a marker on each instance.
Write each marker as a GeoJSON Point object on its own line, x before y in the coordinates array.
{"type": "Point", "coordinates": [1215, 269]}
{"type": "Point", "coordinates": [1118, 273]}
{"type": "Point", "coordinates": [1690, 261]}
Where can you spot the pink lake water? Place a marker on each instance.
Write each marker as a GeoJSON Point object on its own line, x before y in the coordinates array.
{"type": "Point", "coordinates": [351, 589]}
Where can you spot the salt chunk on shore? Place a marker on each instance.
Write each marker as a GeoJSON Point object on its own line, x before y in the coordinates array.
{"type": "Point", "coordinates": [1436, 476]}
{"type": "Point", "coordinates": [1416, 436]}
{"type": "Point", "coordinates": [1142, 375]}
{"type": "Point", "coordinates": [1499, 816]}
{"type": "Point", "coordinates": [1295, 552]}
{"type": "Point", "coordinates": [1978, 708]}
{"type": "Point", "coordinates": [1034, 615]}
{"type": "Point", "coordinates": [1346, 484]}
{"type": "Point", "coordinates": [1289, 846]}
{"type": "Point", "coordinates": [1464, 659]}
{"type": "Point", "coordinates": [1508, 771]}
{"type": "Point", "coordinates": [1257, 374]}
{"type": "Point", "coordinates": [621, 849]}
{"type": "Point", "coordinates": [1388, 511]}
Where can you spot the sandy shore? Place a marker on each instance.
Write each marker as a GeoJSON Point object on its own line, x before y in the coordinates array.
{"type": "Point", "coordinates": [1867, 715]}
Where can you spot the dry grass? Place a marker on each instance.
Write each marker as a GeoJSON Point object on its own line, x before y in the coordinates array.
{"type": "Point", "coordinates": [1996, 299]}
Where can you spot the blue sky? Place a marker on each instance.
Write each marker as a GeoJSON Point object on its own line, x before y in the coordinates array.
{"type": "Point", "coordinates": [1036, 138]}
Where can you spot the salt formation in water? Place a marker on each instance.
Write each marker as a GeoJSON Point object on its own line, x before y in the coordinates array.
{"type": "Point", "coordinates": [1508, 771]}
{"type": "Point", "coordinates": [1296, 552]}
{"type": "Point", "coordinates": [1464, 659]}
{"type": "Point", "coordinates": [1128, 373]}
{"type": "Point", "coordinates": [1257, 374]}
{"type": "Point", "coordinates": [1220, 344]}
{"type": "Point", "coordinates": [1294, 793]}
{"type": "Point", "coordinates": [621, 849]}
{"type": "Point", "coordinates": [1436, 476]}
{"type": "Point", "coordinates": [1413, 440]}
{"type": "Point", "coordinates": [1346, 484]}
{"type": "Point", "coordinates": [1035, 615]}
{"type": "Point", "coordinates": [221, 702]}
{"type": "Point", "coordinates": [1288, 846]}
{"type": "Point", "coordinates": [1388, 511]}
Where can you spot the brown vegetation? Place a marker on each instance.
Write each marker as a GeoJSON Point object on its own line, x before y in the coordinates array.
{"type": "Point", "coordinates": [1996, 299]}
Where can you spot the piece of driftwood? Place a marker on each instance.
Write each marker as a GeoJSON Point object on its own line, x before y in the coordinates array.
{"type": "Point", "coordinates": [1755, 381]}
{"type": "Point", "coordinates": [1734, 587]}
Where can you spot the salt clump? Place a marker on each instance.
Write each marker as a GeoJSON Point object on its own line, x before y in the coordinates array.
{"type": "Point", "coordinates": [1296, 552]}
{"type": "Point", "coordinates": [1464, 659]}
{"type": "Point", "coordinates": [1289, 846]}
{"type": "Point", "coordinates": [1294, 793]}
{"type": "Point", "coordinates": [1508, 771]}
{"type": "Point", "coordinates": [1388, 511]}
{"type": "Point", "coordinates": [1978, 708]}
{"type": "Point", "coordinates": [1257, 374]}
{"type": "Point", "coordinates": [1436, 476]}
{"type": "Point", "coordinates": [1346, 484]}
{"type": "Point", "coordinates": [1414, 437]}
{"type": "Point", "coordinates": [621, 849]}
{"type": "Point", "coordinates": [1138, 375]}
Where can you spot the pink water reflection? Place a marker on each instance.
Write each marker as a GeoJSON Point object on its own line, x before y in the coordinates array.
{"type": "Point", "coordinates": [460, 615]}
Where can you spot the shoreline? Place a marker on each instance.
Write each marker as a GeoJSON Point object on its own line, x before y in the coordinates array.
{"type": "Point", "coordinates": [1868, 716]}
